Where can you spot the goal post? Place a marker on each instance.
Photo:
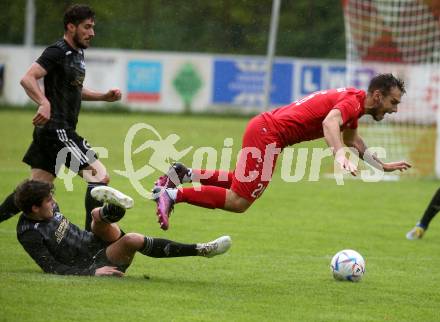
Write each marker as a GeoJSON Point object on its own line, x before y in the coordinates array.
{"type": "Point", "coordinates": [400, 37]}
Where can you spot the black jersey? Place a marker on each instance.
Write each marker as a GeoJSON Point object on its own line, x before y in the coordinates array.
{"type": "Point", "coordinates": [63, 83]}
{"type": "Point", "coordinates": [58, 246]}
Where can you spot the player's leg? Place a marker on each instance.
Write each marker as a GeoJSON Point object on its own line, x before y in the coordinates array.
{"type": "Point", "coordinates": [105, 217]}
{"type": "Point", "coordinates": [122, 251]}
{"type": "Point", "coordinates": [105, 230]}
{"type": "Point", "coordinates": [210, 197]}
{"type": "Point", "coordinates": [179, 174]}
{"type": "Point", "coordinates": [160, 248]}
{"type": "Point", "coordinates": [218, 178]}
{"type": "Point", "coordinates": [430, 212]}
{"type": "Point", "coordinates": [95, 174]}
{"type": "Point", "coordinates": [80, 158]}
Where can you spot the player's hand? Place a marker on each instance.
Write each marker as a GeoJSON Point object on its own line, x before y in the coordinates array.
{"type": "Point", "coordinates": [43, 115]}
{"type": "Point", "coordinates": [346, 164]}
{"type": "Point", "coordinates": [393, 166]}
{"type": "Point", "coordinates": [108, 271]}
{"type": "Point", "coordinates": [113, 95]}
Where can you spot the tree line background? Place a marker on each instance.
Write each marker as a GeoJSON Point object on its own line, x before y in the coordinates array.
{"type": "Point", "coordinates": [307, 28]}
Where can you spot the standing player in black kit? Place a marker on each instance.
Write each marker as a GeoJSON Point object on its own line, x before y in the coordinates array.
{"type": "Point", "coordinates": [63, 69]}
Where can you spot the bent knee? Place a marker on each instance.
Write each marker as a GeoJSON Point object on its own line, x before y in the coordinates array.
{"type": "Point", "coordinates": [242, 207]}
{"type": "Point", "coordinates": [95, 172]}
{"type": "Point", "coordinates": [235, 203]}
{"type": "Point", "coordinates": [133, 240]}
{"type": "Point", "coordinates": [106, 179]}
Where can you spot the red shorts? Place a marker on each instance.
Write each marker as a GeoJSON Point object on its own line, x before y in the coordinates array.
{"type": "Point", "coordinates": [260, 149]}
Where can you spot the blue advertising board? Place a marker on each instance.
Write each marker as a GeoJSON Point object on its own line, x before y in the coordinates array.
{"type": "Point", "coordinates": [241, 82]}
{"type": "Point", "coordinates": [144, 80]}
{"type": "Point", "coordinates": [310, 79]}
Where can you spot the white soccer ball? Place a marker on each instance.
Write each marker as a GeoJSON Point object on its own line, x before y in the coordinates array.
{"type": "Point", "coordinates": [348, 265]}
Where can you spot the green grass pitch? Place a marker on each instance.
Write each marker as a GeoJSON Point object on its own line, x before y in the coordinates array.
{"type": "Point", "coordinates": [278, 266]}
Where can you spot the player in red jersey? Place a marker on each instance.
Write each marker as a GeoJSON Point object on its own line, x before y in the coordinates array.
{"type": "Point", "coordinates": [322, 114]}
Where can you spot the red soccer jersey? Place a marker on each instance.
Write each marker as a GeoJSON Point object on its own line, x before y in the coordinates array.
{"type": "Point", "coordinates": [302, 120]}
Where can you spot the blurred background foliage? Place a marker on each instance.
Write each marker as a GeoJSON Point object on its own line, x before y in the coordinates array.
{"type": "Point", "coordinates": [307, 28]}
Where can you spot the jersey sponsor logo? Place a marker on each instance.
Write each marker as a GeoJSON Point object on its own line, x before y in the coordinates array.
{"type": "Point", "coordinates": [61, 230]}
{"type": "Point", "coordinates": [78, 82]}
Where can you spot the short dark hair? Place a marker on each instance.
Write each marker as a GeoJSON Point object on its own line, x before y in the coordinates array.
{"type": "Point", "coordinates": [77, 13]}
{"type": "Point", "coordinates": [384, 83]}
{"type": "Point", "coordinates": [32, 193]}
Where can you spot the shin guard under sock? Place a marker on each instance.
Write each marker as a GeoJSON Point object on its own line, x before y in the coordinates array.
{"type": "Point", "coordinates": [204, 196]}
{"type": "Point", "coordinates": [91, 203]}
{"type": "Point", "coordinates": [218, 178]}
{"type": "Point", "coordinates": [159, 248]}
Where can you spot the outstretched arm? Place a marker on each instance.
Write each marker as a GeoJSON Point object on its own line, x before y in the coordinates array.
{"type": "Point", "coordinates": [111, 95]}
{"type": "Point", "coordinates": [33, 90]}
{"type": "Point", "coordinates": [332, 135]}
{"type": "Point", "coordinates": [354, 140]}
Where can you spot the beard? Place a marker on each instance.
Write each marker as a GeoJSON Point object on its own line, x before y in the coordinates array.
{"type": "Point", "coordinates": [377, 116]}
{"type": "Point", "coordinates": [79, 43]}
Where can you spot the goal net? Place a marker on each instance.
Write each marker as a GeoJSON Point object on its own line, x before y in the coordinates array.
{"type": "Point", "coordinates": [400, 37]}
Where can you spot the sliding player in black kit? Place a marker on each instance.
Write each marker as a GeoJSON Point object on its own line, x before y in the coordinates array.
{"type": "Point", "coordinates": [60, 247]}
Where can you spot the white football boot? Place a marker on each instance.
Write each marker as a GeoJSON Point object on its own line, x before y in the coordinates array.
{"type": "Point", "coordinates": [216, 247]}
{"type": "Point", "coordinates": [112, 196]}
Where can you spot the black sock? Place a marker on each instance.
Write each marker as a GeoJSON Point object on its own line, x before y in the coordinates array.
{"type": "Point", "coordinates": [431, 211]}
{"type": "Point", "coordinates": [158, 247]}
{"type": "Point", "coordinates": [111, 213]}
{"type": "Point", "coordinates": [91, 203]}
{"type": "Point", "coordinates": [8, 208]}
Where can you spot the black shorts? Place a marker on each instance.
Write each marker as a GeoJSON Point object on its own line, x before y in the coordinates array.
{"type": "Point", "coordinates": [52, 148]}
{"type": "Point", "coordinates": [100, 260]}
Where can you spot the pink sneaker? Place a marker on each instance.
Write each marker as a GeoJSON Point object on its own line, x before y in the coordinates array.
{"type": "Point", "coordinates": [162, 181]}
{"type": "Point", "coordinates": [165, 206]}
{"type": "Point", "coordinates": [174, 177]}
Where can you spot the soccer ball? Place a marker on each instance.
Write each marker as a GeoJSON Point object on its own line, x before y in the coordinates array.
{"type": "Point", "coordinates": [348, 265]}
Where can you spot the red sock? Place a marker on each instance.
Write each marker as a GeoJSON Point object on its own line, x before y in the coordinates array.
{"type": "Point", "coordinates": [218, 178]}
{"type": "Point", "coordinates": [205, 196]}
